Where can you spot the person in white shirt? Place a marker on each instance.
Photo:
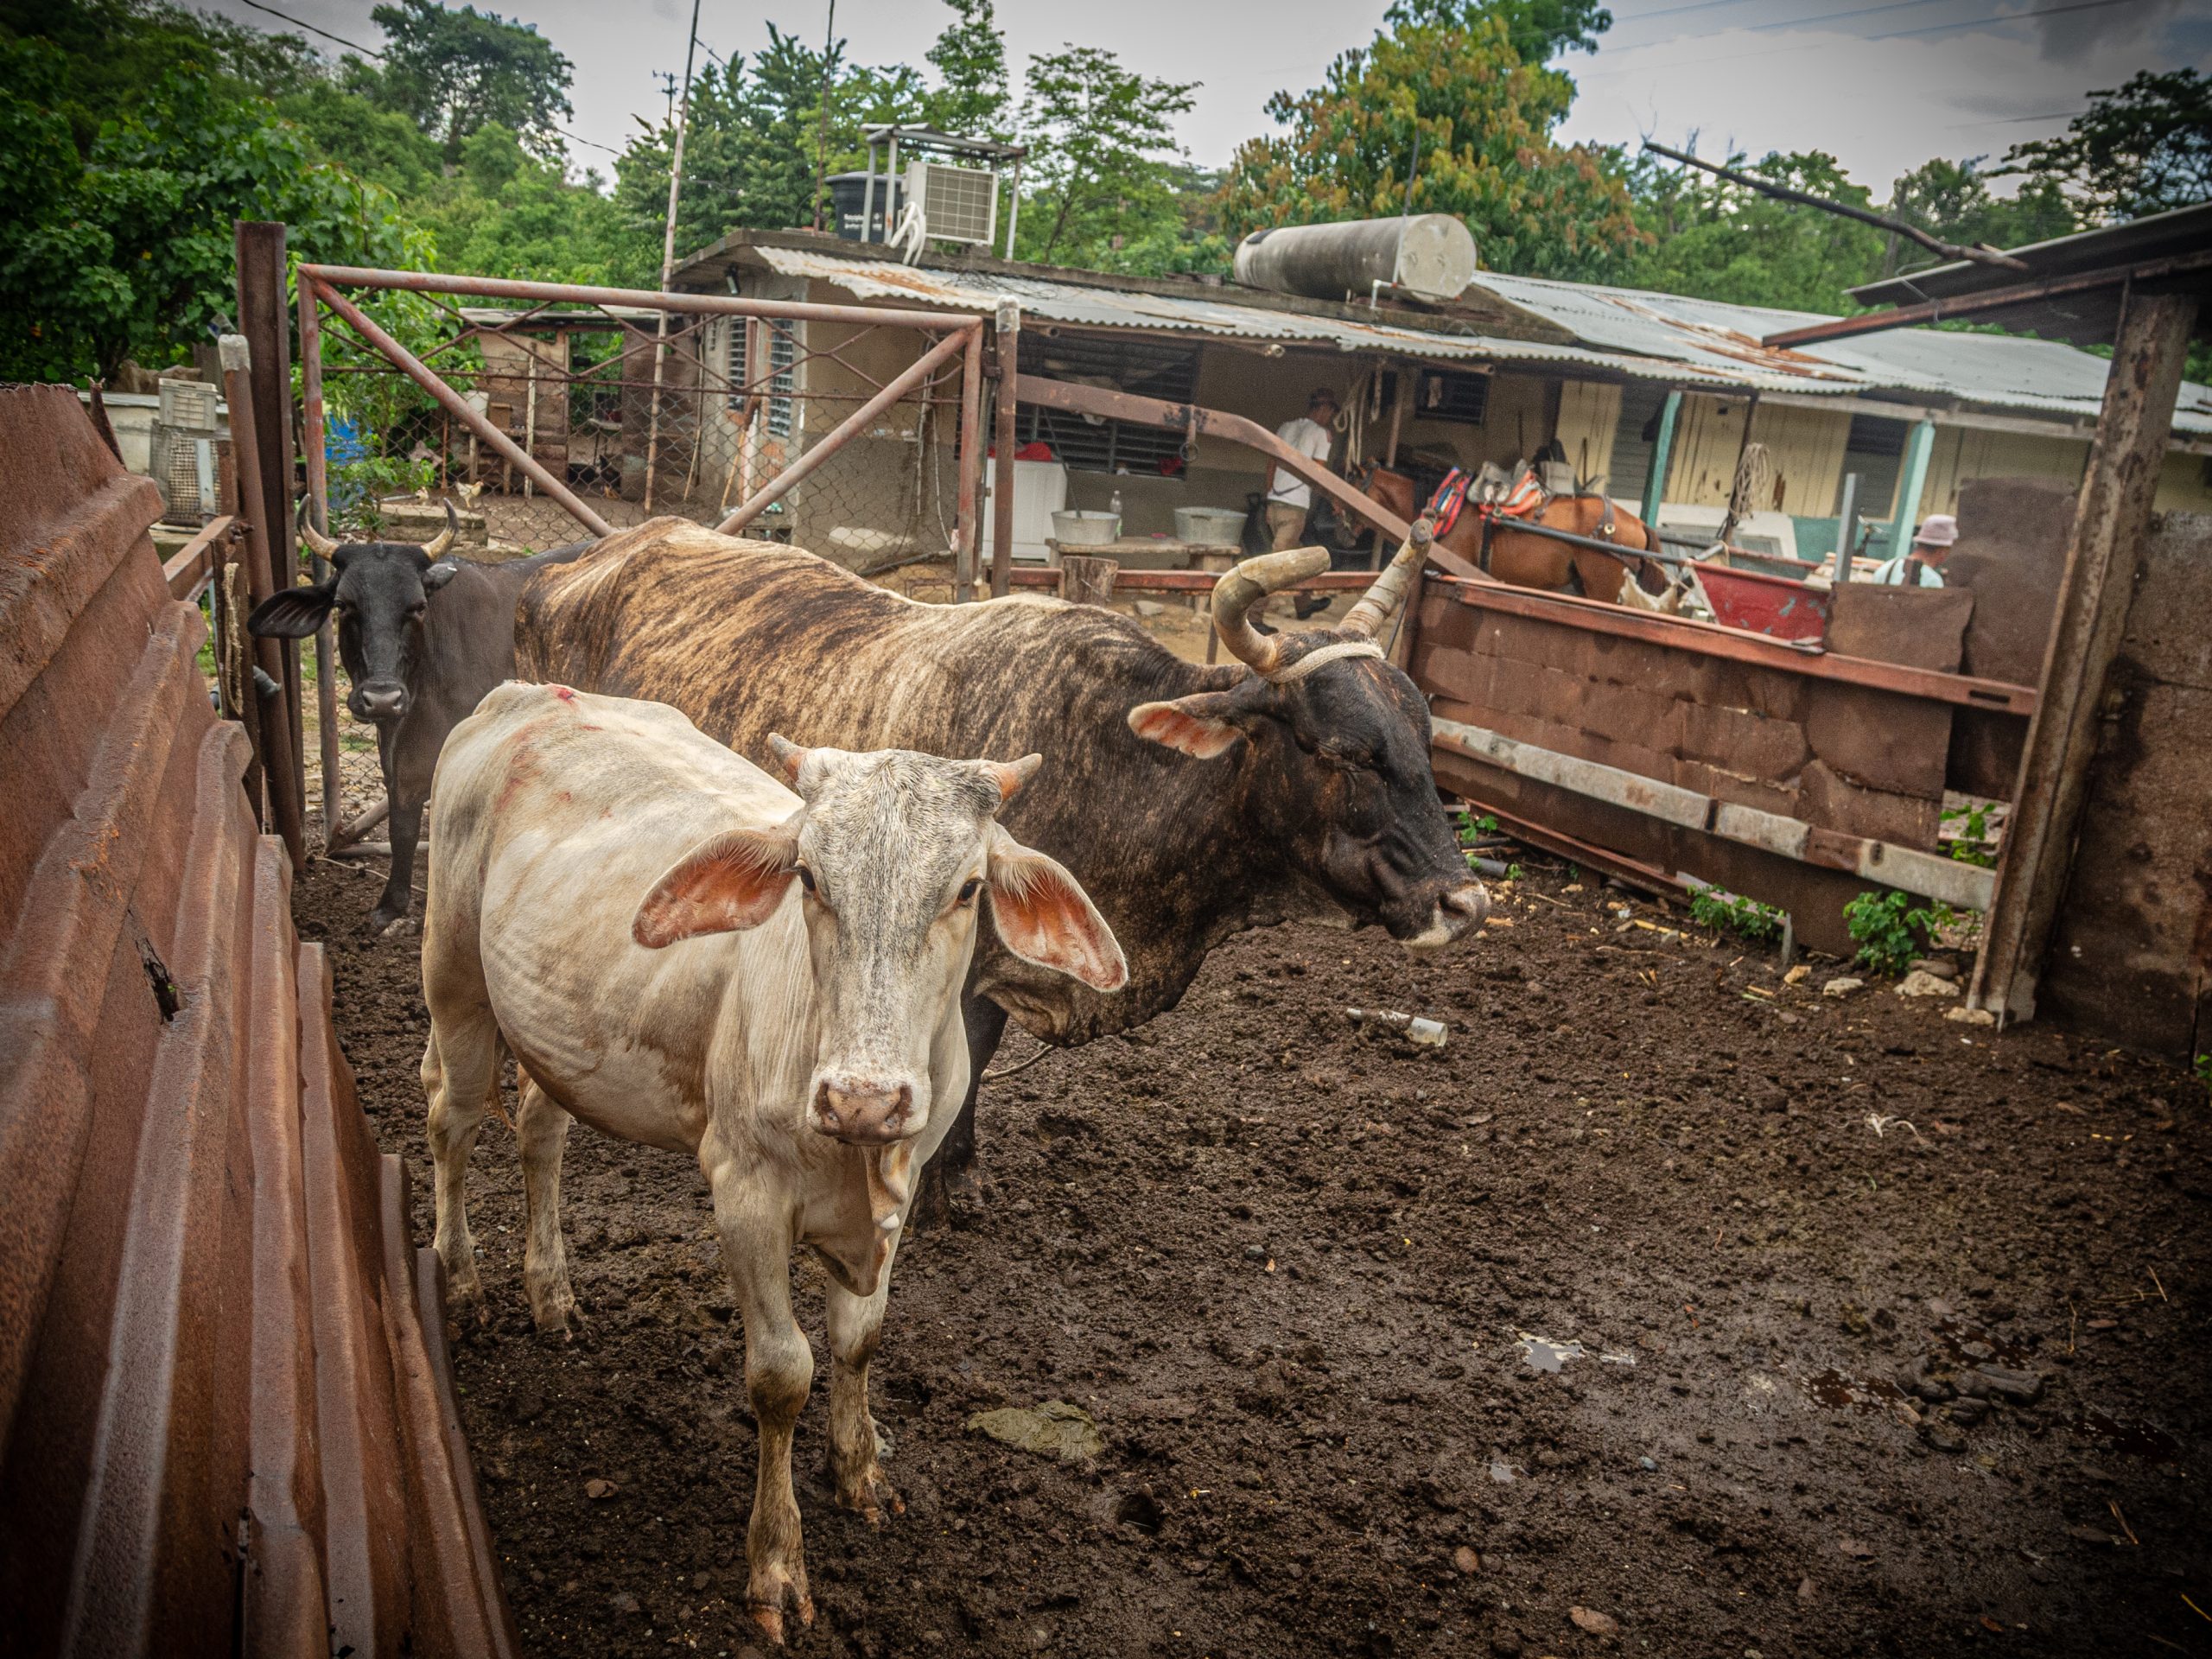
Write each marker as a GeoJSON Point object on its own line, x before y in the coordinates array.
{"type": "Point", "coordinates": [1290, 497]}
{"type": "Point", "coordinates": [1922, 566]}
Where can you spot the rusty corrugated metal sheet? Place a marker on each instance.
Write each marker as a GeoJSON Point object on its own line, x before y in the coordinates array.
{"type": "Point", "coordinates": [224, 1428]}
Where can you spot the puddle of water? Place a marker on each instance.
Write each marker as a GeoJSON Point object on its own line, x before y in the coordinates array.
{"type": "Point", "coordinates": [2134, 1440]}
{"type": "Point", "coordinates": [1838, 1391]}
{"type": "Point", "coordinates": [1545, 1354]}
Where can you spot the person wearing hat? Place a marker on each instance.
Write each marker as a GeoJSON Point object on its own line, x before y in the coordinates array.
{"type": "Point", "coordinates": [1290, 497]}
{"type": "Point", "coordinates": [1922, 566]}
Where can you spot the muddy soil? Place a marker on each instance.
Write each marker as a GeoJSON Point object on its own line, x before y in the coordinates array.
{"type": "Point", "coordinates": [1286, 1265]}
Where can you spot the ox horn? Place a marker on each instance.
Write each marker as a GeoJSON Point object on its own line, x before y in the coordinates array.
{"type": "Point", "coordinates": [317, 543]}
{"type": "Point", "coordinates": [434, 548]}
{"type": "Point", "coordinates": [1245, 585]}
{"type": "Point", "coordinates": [1380, 602]}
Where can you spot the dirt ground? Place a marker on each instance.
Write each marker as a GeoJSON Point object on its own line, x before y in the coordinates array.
{"type": "Point", "coordinates": [1285, 1264]}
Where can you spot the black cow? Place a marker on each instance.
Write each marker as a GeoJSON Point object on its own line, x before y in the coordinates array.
{"type": "Point", "coordinates": [423, 637]}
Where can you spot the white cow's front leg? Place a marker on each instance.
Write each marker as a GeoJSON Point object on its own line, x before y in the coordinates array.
{"type": "Point", "coordinates": [461, 1068]}
{"type": "Point", "coordinates": [779, 1372]}
{"type": "Point", "coordinates": [855, 1323]}
{"type": "Point", "coordinates": [542, 1127]}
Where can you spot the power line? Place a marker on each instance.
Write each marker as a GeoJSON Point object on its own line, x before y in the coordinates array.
{"type": "Point", "coordinates": [366, 51]}
{"type": "Point", "coordinates": [1775, 23]}
{"type": "Point", "coordinates": [1895, 34]}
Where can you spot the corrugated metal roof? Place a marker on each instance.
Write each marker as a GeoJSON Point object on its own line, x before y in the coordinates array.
{"type": "Point", "coordinates": [1666, 337]}
{"type": "Point", "coordinates": [1103, 308]}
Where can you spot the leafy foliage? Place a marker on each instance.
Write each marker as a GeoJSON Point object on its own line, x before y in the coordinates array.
{"type": "Point", "coordinates": [1890, 929]}
{"type": "Point", "coordinates": [2142, 148]}
{"type": "Point", "coordinates": [973, 96]}
{"type": "Point", "coordinates": [1970, 842]}
{"type": "Point", "coordinates": [1101, 139]}
{"type": "Point", "coordinates": [126, 249]}
{"type": "Point", "coordinates": [1448, 75]}
{"type": "Point", "coordinates": [1711, 907]}
{"type": "Point", "coordinates": [1721, 241]}
{"type": "Point", "coordinates": [453, 70]}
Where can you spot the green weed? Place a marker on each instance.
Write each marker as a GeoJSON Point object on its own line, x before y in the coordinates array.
{"type": "Point", "coordinates": [1720, 911]}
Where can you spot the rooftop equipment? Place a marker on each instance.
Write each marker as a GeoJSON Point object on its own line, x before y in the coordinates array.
{"type": "Point", "coordinates": [939, 200]}
{"type": "Point", "coordinates": [1429, 256]}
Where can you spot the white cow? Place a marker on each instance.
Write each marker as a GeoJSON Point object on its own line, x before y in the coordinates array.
{"type": "Point", "coordinates": [614, 898]}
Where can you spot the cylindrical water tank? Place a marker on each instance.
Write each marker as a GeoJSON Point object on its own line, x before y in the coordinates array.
{"type": "Point", "coordinates": [1430, 256]}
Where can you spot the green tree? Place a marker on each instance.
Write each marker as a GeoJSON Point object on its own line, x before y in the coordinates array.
{"type": "Point", "coordinates": [1721, 241]}
{"type": "Point", "coordinates": [1538, 29]}
{"type": "Point", "coordinates": [2142, 148]}
{"type": "Point", "coordinates": [1102, 148]}
{"type": "Point", "coordinates": [505, 212]}
{"type": "Point", "coordinates": [1952, 200]}
{"type": "Point", "coordinates": [126, 250]}
{"type": "Point", "coordinates": [450, 72]}
{"type": "Point", "coordinates": [371, 142]}
{"type": "Point", "coordinates": [1483, 118]}
{"type": "Point", "coordinates": [971, 98]}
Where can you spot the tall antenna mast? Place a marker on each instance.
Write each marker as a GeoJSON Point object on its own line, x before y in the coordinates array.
{"type": "Point", "coordinates": [668, 257]}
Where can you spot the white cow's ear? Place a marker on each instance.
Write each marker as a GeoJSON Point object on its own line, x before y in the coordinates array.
{"type": "Point", "coordinates": [727, 883]}
{"type": "Point", "coordinates": [1202, 725]}
{"type": "Point", "coordinates": [1044, 916]}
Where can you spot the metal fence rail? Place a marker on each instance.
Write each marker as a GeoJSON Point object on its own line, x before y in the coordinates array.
{"type": "Point", "coordinates": [565, 410]}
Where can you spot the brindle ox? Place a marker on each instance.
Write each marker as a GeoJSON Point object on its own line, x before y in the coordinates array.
{"type": "Point", "coordinates": [1191, 801]}
{"type": "Point", "coordinates": [1529, 560]}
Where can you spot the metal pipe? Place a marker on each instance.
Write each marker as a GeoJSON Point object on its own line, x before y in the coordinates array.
{"type": "Point", "coordinates": [502, 288]}
{"type": "Point", "coordinates": [1008, 330]}
{"type": "Point", "coordinates": [844, 433]}
{"type": "Point", "coordinates": [1846, 529]}
{"type": "Point", "coordinates": [668, 254]}
{"type": "Point", "coordinates": [448, 399]}
{"type": "Point", "coordinates": [1013, 206]}
{"type": "Point", "coordinates": [326, 635]}
{"type": "Point", "coordinates": [529, 423]}
{"type": "Point", "coordinates": [972, 468]}
{"type": "Point", "coordinates": [867, 197]}
{"type": "Point", "coordinates": [1919, 446]}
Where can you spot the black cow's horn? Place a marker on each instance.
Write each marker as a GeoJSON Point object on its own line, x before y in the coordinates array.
{"type": "Point", "coordinates": [1245, 585]}
{"type": "Point", "coordinates": [318, 544]}
{"type": "Point", "coordinates": [1376, 607]}
{"type": "Point", "coordinates": [436, 547]}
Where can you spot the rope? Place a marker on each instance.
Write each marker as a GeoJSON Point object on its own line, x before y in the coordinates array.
{"type": "Point", "coordinates": [1753, 483]}
{"type": "Point", "coordinates": [1008, 1071]}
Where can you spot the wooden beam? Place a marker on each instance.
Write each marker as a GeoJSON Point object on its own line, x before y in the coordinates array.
{"type": "Point", "coordinates": [1006, 333]}
{"type": "Point", "coordinates": [1191, 417]}
{"type": "Point", "coordinates": [1684, 633]}
{"type": "Point", "coordinates": [2094, 596]}
{"type": "Point", "coordinates": [192, 565]}
{"type": "Point", "coordinates": [1966, 886]}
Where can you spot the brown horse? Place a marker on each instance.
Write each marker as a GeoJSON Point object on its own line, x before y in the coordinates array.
{"type": "Point", "coordinates": [1529, 560]}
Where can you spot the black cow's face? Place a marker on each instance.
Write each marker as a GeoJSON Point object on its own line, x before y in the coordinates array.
{"type": "Point", "coordinates": [1335, 772]}
{"type": "Point", "coordinates": [380, 592]}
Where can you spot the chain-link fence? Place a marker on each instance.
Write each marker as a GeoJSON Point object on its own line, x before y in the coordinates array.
{"type": "Point", "coordinates": [638, 412]}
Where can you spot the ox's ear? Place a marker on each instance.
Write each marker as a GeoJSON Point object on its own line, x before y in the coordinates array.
{"type": "Point", "coordinates": [1044, 916]}
{"type": "Point", "coordinates": [1202, 725]}
{"type": "Point", "coordinates": [438, 574]}
{"type": "Point", "coordinates": [727, 883]}
{"type": "Point", "coordinates": [294, 613]}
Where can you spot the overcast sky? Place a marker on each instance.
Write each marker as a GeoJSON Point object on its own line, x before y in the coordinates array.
{"type": "Point", "coordinates": [1882, 84]}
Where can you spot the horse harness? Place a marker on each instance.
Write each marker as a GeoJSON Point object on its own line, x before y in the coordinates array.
{"type": "Point", "coordinates": [1498, 494]}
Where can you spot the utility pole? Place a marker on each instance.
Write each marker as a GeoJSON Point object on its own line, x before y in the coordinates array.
{"type": "Point", "coordinates": [668, 260]}
{"type": "Point", "coordinates": [822, 124]}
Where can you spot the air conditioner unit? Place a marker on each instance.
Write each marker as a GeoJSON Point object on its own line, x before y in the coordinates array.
{"type": "Point", "coordinates": [958, 203]}
{"type": "Point", "coordinates": [182, 456]}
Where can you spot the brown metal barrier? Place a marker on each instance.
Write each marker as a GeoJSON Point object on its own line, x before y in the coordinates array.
{"type": "Point", "coordinates": [229, 1427]}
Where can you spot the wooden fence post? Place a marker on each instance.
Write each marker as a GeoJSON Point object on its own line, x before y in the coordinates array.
{"type": "Point", "coordinates": [271, 718]}
{"type": "Point", "coordinates": [1008, 332]}
{"type": "Point", "coordinates": [265, 321]}
{"type": "Point", "coordinates": [2094, 596]}
{"type": "Point", "coordinates": [1087, 581]}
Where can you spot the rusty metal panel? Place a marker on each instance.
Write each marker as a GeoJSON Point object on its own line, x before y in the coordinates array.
{"type": "Point", "coordinates": [1857, 755]}
{"type": "Point", "coordinates": [181, 1207]}
{"type": "Point", "coordinates": [2131, 955]}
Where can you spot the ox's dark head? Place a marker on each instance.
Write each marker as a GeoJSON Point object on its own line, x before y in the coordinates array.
{"type": "Point", "coordinates": [380, 592]}
{"type": "Point", "coordinates": [1332, 746]}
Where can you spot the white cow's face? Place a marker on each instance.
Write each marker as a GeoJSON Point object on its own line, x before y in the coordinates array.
{"type": "Point", "coordinates": [894, 853]}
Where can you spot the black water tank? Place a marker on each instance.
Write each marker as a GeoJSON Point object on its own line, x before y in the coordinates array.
{"type": "Point", "coordinates": [848, 193]}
